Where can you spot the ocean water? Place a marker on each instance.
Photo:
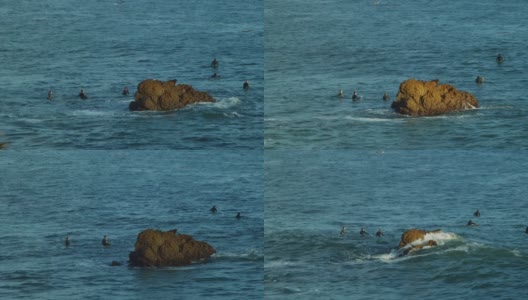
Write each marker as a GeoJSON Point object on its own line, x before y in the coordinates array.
{"type": "Point", "coordinates": [46, 195]}
{"type": "Point", "coordinates": [309, 195]}
{"type": "Point", "coordinates": [102, 46]}
{"type": "Point", "coordinates": [314, 48]}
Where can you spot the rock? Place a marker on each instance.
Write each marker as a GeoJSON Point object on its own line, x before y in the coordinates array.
{"type": "Point", "coordinates": [158, 95]}
{"type": "Point", "coordinates": [428, 98]}
{"type": "Point", "coordinates": [429, 243]}
{"type": "Point", "coordinates": [411, 236]}
{"type": "Point", "coordinates": [155, 248]}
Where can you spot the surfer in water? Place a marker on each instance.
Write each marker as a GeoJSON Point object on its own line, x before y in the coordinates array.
{"type": "Point", "coordinates": [343, 230]}
{"type": "Point", "coordinates": [50, 95]}
{"type": "Point", "coordinates": [479, 80]}
{"type": "Point", "coordinates": [215, 63]}
{"type": "Point", "coordinates": [477, 213]}
{"type": "Point", "coordinates": [471, 223]}
{"type": "Point", "coordinates": [213, 209]}
{"type": "Point", "coordinates": [340, 93]}
{"type": "Point", "coordinates": [246, 85]}
{"type": "Point", "coordinates": [355, 96]}
{"type": "Point", "coordinates": [362, 232]}
{"type": "Point", "coordinates": [379, 233]}
{"type": "Point", "coordinates": [386, 97]}
{"type": "Point", "coordinates": [125, 91]}
{"type": "Point", "coordinates": [238, 216]}
{"type": "Point", "coordinates": [67, 241]}
{"type": "Point", "coordinates": [500, 59]}
{"type": "Point", "coordinates": [105, 241]}
{"type": "Point", "coordinates": [82, 94]}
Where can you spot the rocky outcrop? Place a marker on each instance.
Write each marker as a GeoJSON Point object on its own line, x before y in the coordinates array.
{"type": "Point", "coordinates": [158, 95]}
{"type": "Point", "coordinates": [416, 239]}
{"type": "Point", "coordinates": [428, 98]}
{"type": "Point", "coordinates": [155, 248]}
{"type": "Point", "coordinates": [412, 235]}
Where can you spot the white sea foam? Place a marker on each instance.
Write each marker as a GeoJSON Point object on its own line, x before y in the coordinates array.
{"type": "Point", "coordinates": [223, 103]}
{"type": "Point", "coordinates": [279, 264]}
{"type": "Point", "coordinates": [91, 113]}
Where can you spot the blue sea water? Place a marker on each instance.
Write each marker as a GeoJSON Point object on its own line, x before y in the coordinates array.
{"type": "Point", "coordinates": [314, 48]}
{"type": "Point", "coordinates": [102, 46]}
{"type": "Point", "coordinates": [45, 195]}
{"type": "Point", "coordinates": [309, 195]}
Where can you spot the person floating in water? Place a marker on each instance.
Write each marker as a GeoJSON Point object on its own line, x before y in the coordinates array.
{"type": "Point", "coordinates": [471, 223]}
{"type": "Point", "coordinates": [67, 241]}
{"type": "Point", "coordinates": [343, 230]}
{"type": "Point", "coordinates": [215, 63]}
{"type": "Point", "coordinates": [477, 213]}
{"type": "Point", "coordinates": [340, 93]}
{"type": "Point", "coordinates": [105, 241]}
{"type": "Point", "coordinates": [479, 80]}
{"type": "Point", "coordinates": [386, 97]}
{"type": "Point", "coordinates": [246, 85]}
{"type": "Point", "coordinates": [379, 233]}
{"type": "Point", "coordinates": [362, 232]}
{"type": "Point", "coordinates": [125, 91]}
{"type": "Point", "coordinates": [500, 59]}
{"type": "Point", "coordinates": [238, 216]}
{"type": "Point", "coordinates": [213, 209]}
{"type": "Point", "coordinates": [50, 95]}
{"type": "Point", "coordinates": [82, 94]}
{"type": "Point", "coordinates": [355, 96]}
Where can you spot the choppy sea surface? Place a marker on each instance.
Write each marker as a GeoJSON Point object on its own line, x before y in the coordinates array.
{"type": "Point", "coordinates": [46, 195]}
{"type": "Point", "coordinates": [314, 48]}
{"type": "Point", "coordinates": [102, 46]}
{"type": "Point", "coordinates": [310, 195]}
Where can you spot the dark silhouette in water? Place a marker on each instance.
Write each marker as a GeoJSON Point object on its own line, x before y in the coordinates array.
{"type": "Point", "coordinates": [471, 223]}
{"type": "Point", "coordinates": [238, 216]}
{"type": "Point", "coordinates": [125, 91]}
{"type": "Point", "coordinates": [213, 209]}
{"type": "Point", "coordinates": [215, 63]}
{"type": "Point", "coordinates": [477, 213]}
{"type": "Point", "coordinates": [379, 233]}
{"type": "Point", "coordinates": [362, 232]}
{"type": "Point", "coordinates": [246, 85]}
{"type": "Point", "coordinates": [526, 230]}
{"type": "Point", "coordinates": [340, 93]}
{"type": "Point", "coordinates": [386, 97]}
{"type": "Point", "coordinates": [500, 59]}
{"type": "Point", "coordinates": [50, 95]}
{"type": "Point", "coordinates": [355, 96]}
{"type": "Point", "coordinates": [67, 241]}
{"type": "Point", "coordinates": [105, 241]}
{"type": "Point", "coordinates": [343, 230]}
{"type": "Point", "coordinates": [215, 75]}
{"type": "Point", "coordinates": [479, 80]}
{"type": "Point", "coordinates": [82, 94]}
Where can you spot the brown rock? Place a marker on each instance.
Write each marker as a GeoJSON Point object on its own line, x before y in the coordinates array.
{"type": "Point", "coordinates": [427, 98]}
{"type": "Point", "coordinates": [155, 248]}
{"type": "Point", "coordinates": [412, 235]}
{"type": "Point", "coordinates": [158, 95]}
